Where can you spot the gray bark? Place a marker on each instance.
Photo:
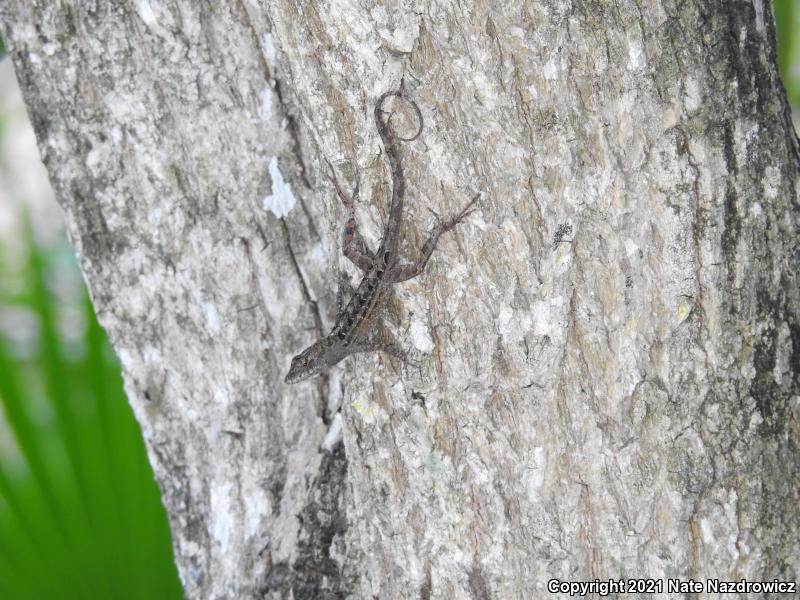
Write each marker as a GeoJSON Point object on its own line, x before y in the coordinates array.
{"type": "Point", "coordinates": [606, 380]}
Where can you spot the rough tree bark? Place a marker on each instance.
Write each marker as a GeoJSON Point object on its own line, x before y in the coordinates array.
{"type": "Point", "coordinates": [606, 380]}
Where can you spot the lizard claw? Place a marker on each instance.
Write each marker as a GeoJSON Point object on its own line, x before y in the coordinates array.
{"type": "Point", "coordinates": [444, 226]}
{"type": "Point", "coordinates": [467, 210]}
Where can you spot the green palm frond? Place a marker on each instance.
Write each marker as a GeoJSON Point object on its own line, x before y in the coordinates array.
{"type": "Point", "coordinates": [80, 513]}
{"type": "Point", "coordinates": [787, 24]}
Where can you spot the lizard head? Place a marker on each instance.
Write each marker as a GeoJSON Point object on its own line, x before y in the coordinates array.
{"type": "Point", "coordinates": [308, 363]}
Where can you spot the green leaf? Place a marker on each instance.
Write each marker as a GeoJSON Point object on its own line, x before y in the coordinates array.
{"type": "Point", "coordinates": [80, 513]}
{"type": "Point", "coordinates": [787, 24]}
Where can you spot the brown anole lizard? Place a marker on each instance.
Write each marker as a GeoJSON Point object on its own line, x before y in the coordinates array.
{"type": "Point", "coordinates": [354, 324]}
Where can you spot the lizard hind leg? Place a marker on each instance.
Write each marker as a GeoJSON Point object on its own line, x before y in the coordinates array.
{"type": "Point", "coordinates": [353, 245]}
{"type": "Point", "coordinates": [402, 273]}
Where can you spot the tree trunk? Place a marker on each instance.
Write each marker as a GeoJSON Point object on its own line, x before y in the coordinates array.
{"type": "Point", "coordinates": [605, 380]}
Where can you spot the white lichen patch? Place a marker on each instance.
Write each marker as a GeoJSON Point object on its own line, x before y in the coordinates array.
{"type": "Point", "coordinates": [692, 97]}
{"type": "Point", "coordinates": [365, 407]}
{"type": "Point", "coordinates": [335, 433]}
{"type": "Point", "coordinates": [436, 465]}
{"type": "Point", "coordinates": [269, 49]}
{"type": "Point", "coordinates": [782, 372]}
{"type": "Point", "coordinates": [551, 68]}
{"type": "Point", "coordinates": [513, 325]}
{"type": "Point", "coordinates": [281, 201]}
{"type": "Point", "coordinates": [265, 112]}
{"type": "Point", "coordinates": [504, 320]}
{"type": "Point", "coordinates": [669, 118]}
{"type": "Point", "coordinates": [759, 6]}
{"type": "Point", "coordinates": [563, 259]}
{"type": "Point", "coordinates": [542, 317]}
{"type": "Point", "coordinates": [212, 318]}
{"type": "Point", "coordinates": [534, 474]}
{"type": "Point", "coordinates": [336, 394]}
{"type": "Point", "coordinates": [154, 216]}
{"type": "Point", "coordinates": [771, 182]}
{"type": "Point", "coordinates": [146, 13]}
{"type": "Point", "coordinates": [152, 356]}
{"type": "Point", "coordinates": [158, 19]}
{"type": "Point", "coordinates": [636, 57]}
{"type": "Point", "coordinates": [379, 14]}
{"type": "Point", "coordinates": [320, 255]}
{"type": "Point", "coordinates": [258, 505]}
{"type": "Point", "coordinates": [93, 158]}
{"type": "Point", "coordinates": [420, 336]}
{"type": "Point", "coordinates": [221, 513]}
{"type": "Point", "coordinates": [403, 33]}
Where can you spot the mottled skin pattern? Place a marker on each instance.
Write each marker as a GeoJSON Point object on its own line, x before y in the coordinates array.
{"type": "Point", "coordinates": [353, 331]}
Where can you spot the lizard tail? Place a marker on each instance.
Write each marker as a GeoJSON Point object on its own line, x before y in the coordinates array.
{"type": "Point", "coordinates": [384, 125]}
{"type": "Point", "coordinates": [390, 139]}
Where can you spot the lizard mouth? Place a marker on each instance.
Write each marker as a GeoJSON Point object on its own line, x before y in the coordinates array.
{"type": "Point", "coordinates": [297, 375]}
{"type": "Point", "coordinates": [293, 377]}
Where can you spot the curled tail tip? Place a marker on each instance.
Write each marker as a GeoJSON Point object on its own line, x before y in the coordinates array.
{"type": "Point", "coordinates": [384, 125]}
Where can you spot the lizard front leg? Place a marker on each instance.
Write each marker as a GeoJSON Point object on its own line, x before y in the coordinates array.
{"type": "Point", "coordinates": [379, 346]}
{"type": "Point", "coordinates": [401, 273]}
